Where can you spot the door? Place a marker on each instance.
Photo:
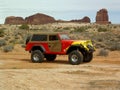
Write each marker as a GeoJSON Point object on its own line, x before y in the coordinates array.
{"type": "Point", "coordinates": [54, 44]}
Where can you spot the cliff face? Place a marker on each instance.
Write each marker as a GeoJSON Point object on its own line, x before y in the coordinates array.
{"type": "Point", "coordinates": [34, 19]}
{"type": "Point", "coordinates": [86, 20]}
{"type": "Point", "coordinates": [83, 20]}
{"type": "Point", "coordinates": [14, 20]}
{"type": "Point", "coordinates": [102, 17]}
{"type": "Point", "coordinates": [39, 19]}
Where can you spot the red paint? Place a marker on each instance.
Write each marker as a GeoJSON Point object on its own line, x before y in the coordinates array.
{"type": "Point", "coordinates": [64, 45]}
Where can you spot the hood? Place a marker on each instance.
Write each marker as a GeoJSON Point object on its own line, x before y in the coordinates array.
{"type": "Point", "coordinates": [87, 44]}
{"type": "Point", "coordinates": [83, 42]}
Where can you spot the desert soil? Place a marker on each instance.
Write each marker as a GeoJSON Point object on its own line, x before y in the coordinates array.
{"type": "Point", "coordinates": [17, 72]}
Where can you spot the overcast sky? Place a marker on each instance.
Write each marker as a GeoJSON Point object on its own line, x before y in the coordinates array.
{"type": "Point", "coordinates": [60, 9]}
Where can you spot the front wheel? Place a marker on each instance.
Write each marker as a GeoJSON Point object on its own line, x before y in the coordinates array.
{"type": "Point", "coordinates": [88, 57]}
{"type": "Point", "coordinates": [37, 56]}
{"type": "Point", "coordinates": [75, 57]}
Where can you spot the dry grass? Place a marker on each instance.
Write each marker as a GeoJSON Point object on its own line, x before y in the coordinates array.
{"type": "Point", "coordinates": [19, 73]}
{"type": "Point", "coordinates": [103, 36]}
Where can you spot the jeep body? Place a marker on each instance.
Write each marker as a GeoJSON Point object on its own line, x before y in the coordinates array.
{"type": "Point", "coordinates": [48, 45]}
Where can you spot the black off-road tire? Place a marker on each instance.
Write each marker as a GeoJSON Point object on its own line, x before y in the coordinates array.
{"type": "Point", "coordinates": [37, 56]}
{"type": "Point", "coordinates": [75, 57]}
{"type": "Point", "coordinates": [88, 57]}
{"type": "Point", "coordinates": [28, 39]}
{"type": "Point", "coordinates": [50, 57]}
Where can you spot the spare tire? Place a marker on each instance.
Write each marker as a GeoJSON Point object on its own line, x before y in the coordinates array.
{"type": "Point", "coordinates": [28, 39]}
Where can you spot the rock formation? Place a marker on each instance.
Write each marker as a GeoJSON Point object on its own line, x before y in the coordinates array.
{"type": "Point", "coordinates": [102, 17]}
{"type": "Point", "coordinates": [39, 19]}
{"type": "Point", "coordinates": [83, 20]}
{"type": "Point", "coordinates": [14, 20]}
{"type": "Point", "coordinates": [86, 20]}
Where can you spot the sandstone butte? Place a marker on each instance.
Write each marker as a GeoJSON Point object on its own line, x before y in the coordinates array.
{"type": "Point", "coordinates": [14, 20]}
{"type": "Point", "coordinates": [102, 17]}
{"type": "Point", "coordinates": [39, 18]}
{"type": "Point", "coordinates": [83, 20]}
{"type": "Point", "coordinates": [36, 19]}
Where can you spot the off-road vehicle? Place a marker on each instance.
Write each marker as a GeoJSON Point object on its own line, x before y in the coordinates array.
{"type": "Point", "coordinates": [49, 45]}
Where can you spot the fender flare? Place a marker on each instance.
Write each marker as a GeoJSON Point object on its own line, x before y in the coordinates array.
{"type": "Point", "coordinates": [36, 47]}
{"type": "Point", "coordinates": [75, 47]}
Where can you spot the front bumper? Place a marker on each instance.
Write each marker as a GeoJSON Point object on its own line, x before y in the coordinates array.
{"type": "Point", "coordinates": [90, 48]}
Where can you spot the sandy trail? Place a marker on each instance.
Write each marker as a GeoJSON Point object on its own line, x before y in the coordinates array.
{"type": "Point", "coordinates": [17, 72]}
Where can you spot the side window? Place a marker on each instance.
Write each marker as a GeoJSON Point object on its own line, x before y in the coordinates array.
{"type": "Point", "coordinates": [39, 38]}
{"type": "Point", "coordinates": [53, 37]}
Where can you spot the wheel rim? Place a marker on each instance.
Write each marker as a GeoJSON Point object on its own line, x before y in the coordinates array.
{"type": "Point", "coordinates": [74, 58]}
{"type": "Point", "coordinates": [36, 57]}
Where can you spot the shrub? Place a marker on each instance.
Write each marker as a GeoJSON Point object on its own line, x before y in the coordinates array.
{"type": "Point", "coordinates": [16, 37]}
{"type": "Point", "coordinates": [8, 48]}
{"type": "Point", "coordinates": [100, 45]}
{"type": "Point", "coordinates": [21, 42]}
{"type": "Point", "coordinates": [66, 28]}
{"type": "Point", "coordinates": [103, 52]}
{"type": "Point", "coordinates": [24, 26]}
{"type": "Point", "coordinates": [2, 42]}
{"type": "Point", "coordinates": [58, 29]}
{"type": "Point", "coordinates": [1, 32]}
{"type": "Point", "coordinates": [13, 41]}
{"type": "Point", "coordinates": [114, 27]}
{"type": "Point", "coordinates": [101, 29]}
{"type": "Point", "coordinates": [80, 29]}
{"type": "Point", "coordinates": [23, 45]}
{"type": "Point", "coordinates": [115, 46]}
{"type": "Point", "coordinates": [7, 38]}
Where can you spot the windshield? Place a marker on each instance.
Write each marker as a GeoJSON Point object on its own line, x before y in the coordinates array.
{"type": "Point", "coordinates": [64, 37]}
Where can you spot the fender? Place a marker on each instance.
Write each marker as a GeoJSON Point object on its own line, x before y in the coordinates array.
{"type": "Point", "coordinates": [86, 44]}
{"type": "Point", "coordinates": [36, 47]}
{"type": "Point", "coordinates": [75, 47]}
{"type": "Point", "coordinates": [83, 46]}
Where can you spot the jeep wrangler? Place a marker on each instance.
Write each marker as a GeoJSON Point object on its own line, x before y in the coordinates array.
{"type": "Point", "coordinates": [49, 45]}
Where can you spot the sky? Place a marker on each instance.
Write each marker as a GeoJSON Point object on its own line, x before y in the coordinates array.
{"type": "Point", "coordinates": [60, 9]}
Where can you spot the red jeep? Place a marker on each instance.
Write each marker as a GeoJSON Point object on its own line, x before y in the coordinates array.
{"type": "Point", "coordinates": [48, 45]}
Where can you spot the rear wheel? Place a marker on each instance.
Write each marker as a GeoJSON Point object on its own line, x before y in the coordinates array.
{"type": "Point", "coordinates": [75, 57]}
{"type": "Point", "coordinates": [88, 57]}
{"type": "Point", "coordinates": [37, 56]}
{"type": "Point", "coordinates": [50, 57]}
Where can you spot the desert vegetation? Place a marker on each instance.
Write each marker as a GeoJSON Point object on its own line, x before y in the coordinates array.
{"type": "Point", "coordinates": [21, 74]}
{"type": "Point", "coordinates": [103, 36]}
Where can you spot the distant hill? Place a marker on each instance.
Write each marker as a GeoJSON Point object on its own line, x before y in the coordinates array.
{"type": "Point", "coordinates": [40, 18]}
{"type": "Point", "coordinates": [102, 17]}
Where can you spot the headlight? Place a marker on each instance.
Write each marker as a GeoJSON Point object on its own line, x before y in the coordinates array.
{"type": "Point", "coordinates": [89, 46]}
